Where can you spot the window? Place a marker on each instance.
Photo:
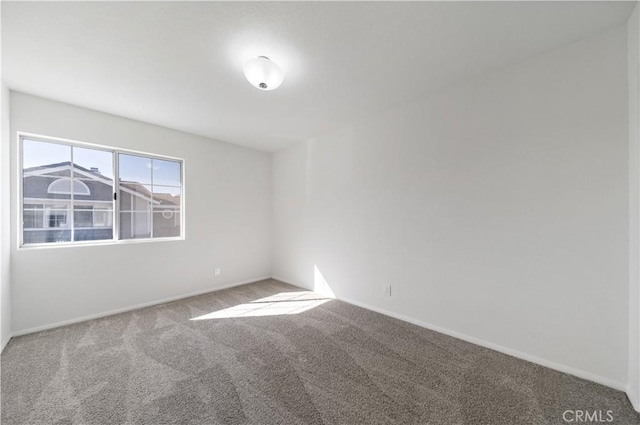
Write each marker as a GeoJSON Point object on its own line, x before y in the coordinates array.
{"type": "Point", "coordinates": [149, 189]}
{"type": "Point", "coordinates": [69, 194]}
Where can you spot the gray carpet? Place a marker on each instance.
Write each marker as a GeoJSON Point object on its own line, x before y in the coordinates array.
{"type": "Point", "coordinates": [269, 353]}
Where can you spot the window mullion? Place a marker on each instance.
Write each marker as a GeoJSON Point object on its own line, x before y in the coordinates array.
{"type": "Point", "coordinates": [71, 220]}
{"type": "Point", "coordinates": [116, 200]}
{"type": "Point", "coordinates": [151, 203]}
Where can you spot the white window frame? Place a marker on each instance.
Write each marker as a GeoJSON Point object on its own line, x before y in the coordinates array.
{"type": "Point", "coordinates": [116, 189]}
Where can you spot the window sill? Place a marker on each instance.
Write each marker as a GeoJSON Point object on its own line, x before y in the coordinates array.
{"type": "Point", "coordinates": [51, 245]}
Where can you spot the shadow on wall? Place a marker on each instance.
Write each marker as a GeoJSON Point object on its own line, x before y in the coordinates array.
{"type": "Point", "coordinates": [282, 303]}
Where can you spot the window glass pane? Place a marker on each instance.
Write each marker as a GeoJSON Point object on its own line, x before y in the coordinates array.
{"type": "Point", "coordinates": [133, 168]}
{"type": "Point", "coordinates": [83, 217]}
{"type": "Point", "coordinates": [102, 217]}
{"type": "Point", "coordinates": [46, 236]}
{"type": "Point", "coordinates": [56, 218]}
{"type": "Point", "coordinates": [93, 164]}
{"type": "Point", "coordinates": [50, 223]}
{"type": "Point", "coordinates": [33, 216]}
{"type": "Point", "coordinates": [166, 173]}
{"type": "Point", "coordinates": [166, 222]}
{"type": "Point", "coordinates": [166, 195]}
{"type": "Point", "coordinates": [42, 154]}
{"type": "Point", "coordinates": [135, 225]}
{"type": "Point", "coordinates": [135, 197]}
{"type": "Point", "coordinates": [93, 188]}
{"type": "Point", "coordinates": [44, 215]}
{"type": "Point", "coordinates": [93, 223]}
{"type": "Point", "coordinates": [93, 234]}
{"type": "Point", "coordinates": [166, 211]}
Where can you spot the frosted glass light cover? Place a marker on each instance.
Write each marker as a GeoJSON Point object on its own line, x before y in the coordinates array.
{"type": "Point", "coordinates": [263, 74]}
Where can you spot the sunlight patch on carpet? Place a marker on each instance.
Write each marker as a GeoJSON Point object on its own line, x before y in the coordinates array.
{"type": "Point", "coordinates": [278, 304]}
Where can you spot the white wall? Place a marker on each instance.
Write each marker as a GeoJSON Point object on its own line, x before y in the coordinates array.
{"type": "Point", "coordinates": [497, 209]}
{"type": "Point", "coordinates": [228, 223]}
{"type": "Point", "coordinates": [633, 74]}
{"type": "Point", "coordinates": [5, 274]}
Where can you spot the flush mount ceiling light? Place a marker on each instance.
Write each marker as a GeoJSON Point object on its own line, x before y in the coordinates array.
{"type": "Point", "coordinates": [263, 74]}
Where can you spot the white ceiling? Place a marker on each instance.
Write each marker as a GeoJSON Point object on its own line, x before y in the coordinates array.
{"type": "Point", "coordinates": [179, 64]}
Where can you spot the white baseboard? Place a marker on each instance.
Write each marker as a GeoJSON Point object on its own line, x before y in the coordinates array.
{"type": "Point", "coordinates": [477, 341]}
{"type": "Point", "coordinates": [297, 285]}
{"type": "Point", "coordinates": [5, 342]}
{"type": "Point", "coordinates": [133, 307]}
{"type": "Point", "coordinates": [633, 399]}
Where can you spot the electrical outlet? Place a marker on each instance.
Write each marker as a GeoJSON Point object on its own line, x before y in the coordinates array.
{"type": "Point", "coordinates": [216, 272]}
{"type": "Point", "coordinates": [387, 289]}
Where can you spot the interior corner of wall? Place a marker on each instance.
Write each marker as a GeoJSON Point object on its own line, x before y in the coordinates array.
{"type": "Point", "coordinates": [633, 396]}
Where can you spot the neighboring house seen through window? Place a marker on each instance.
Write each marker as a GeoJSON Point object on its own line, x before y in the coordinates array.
{"type": "Point", "coordinates": [63, 187]}
{"type": "Point", "coordinates": [69, 195]}
{"type": "Point", "coordinates": [150, 192]}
